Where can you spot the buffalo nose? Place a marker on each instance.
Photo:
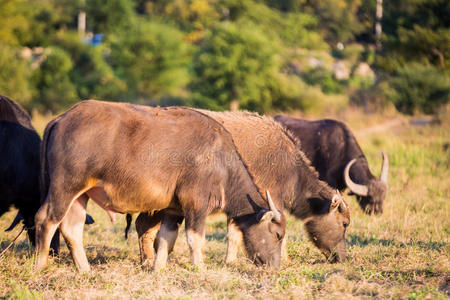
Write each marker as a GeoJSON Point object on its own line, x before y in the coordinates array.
{"type": "Point", "coordinates": [275, 264]}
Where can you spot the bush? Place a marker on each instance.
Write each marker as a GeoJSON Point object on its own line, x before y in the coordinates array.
{"type": "Point", "coordinates": [325, 79]}
{"type": "Point", "coordinates": [418, 87]}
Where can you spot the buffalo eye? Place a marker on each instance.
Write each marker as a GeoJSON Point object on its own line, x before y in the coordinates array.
{"type": "Point", "coordinates": [279, 236]}
{"type": "Point", "coordinates": [345, 224]}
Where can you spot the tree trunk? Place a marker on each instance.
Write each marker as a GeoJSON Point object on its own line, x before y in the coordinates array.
{"type": "Point", "coordinates": [234, 105]}
{"type": "Point", "coordinates": [378, 28]}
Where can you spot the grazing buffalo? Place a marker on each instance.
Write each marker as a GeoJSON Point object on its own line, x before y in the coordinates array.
{"type": "Point", "coordinates": [274, 158]}
{"type": "Point", "coordinates": [131, 159]}
{"type": "Point", "coordinates": [19, 164]}
{"type": "Point", "coordinates": [336, 155]}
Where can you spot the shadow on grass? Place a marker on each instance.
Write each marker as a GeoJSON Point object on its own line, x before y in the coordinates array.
{"type": "Point", "coordinates": [18, 248]}
{"type": "Point", "coordinates": [97, 255]}
{"type": "Point", "coordinates": [356, 240]}
{"type": "Point", "coordinates": [216, 236]}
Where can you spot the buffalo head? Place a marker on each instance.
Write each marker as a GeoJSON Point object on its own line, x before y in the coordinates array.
{"type": "Point", "coordinates": [263, 233]}
{"type": "Point", "coordinates": [370, 195]}
{"type": "Point", "coordinates": [327, 227]}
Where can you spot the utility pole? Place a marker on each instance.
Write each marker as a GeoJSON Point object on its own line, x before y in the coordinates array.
{"type": "Point", "coordinates": [378, 28]}
{"type": "Point", "coordinates": [81, 22]}
{"type": "Point", "coordinates": [82, 18]}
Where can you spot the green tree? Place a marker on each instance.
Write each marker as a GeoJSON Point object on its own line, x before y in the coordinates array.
{"type": "Point", "coordinates": [93, 77]}
{"type": "Point", "coordinates": [14, 75]}
{"type": "Point", "coordinates": [338, 19]}
{"type": "Point", "coordinates": [293, 29]}
{"type": "Point", "coordinates": [14, 21]}
{"type": "Point", "coordinates": [54, 89]}
{"type": "Point", "coordinates": [235, 64]}
{"type": "Point", "coordinates": [416, 31]}
{"type": "Point", "coordinates": [109, 16]}
{"type": "Point", "coordinates": [418, 87]}
{"type": "Point", "coordinates": [152, 59]}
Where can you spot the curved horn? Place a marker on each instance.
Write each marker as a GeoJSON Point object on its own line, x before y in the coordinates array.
{"type": "Point", "coordinates": [384, 168]}
{"type": "Point", "coordinates": [16, 221]}
{"type": "Point", "coordinates": [358, 189]}
{"type": "Point", "coordinates": [273, 208]}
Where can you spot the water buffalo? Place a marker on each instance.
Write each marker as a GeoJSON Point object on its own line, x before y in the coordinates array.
{"type": "Point", "coordinates": [336, 155]}
{"type": "Point", "coordinates": [131, 159]}
{"type": "Point", "coordinates": [273, 157]}
{"type": "Point", "coordinates": [19, 168]}
{"type": "Point", "coordinates": [19, 164]}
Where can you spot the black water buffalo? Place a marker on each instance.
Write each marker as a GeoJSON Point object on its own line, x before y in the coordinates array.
{"type": "Point", "coordinates": [336, 155]}
{"type": "Point", "coordinates": [19, 164]}
{"type": "Point", "coordinates": [273, 157]}
{"type": "Point", "coordinates": [131, 159]}
{"type": "Point", "coordinates": [19, 168]}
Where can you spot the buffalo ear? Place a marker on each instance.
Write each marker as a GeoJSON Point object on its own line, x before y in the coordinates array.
{"type": "Point", "coordinates": [16, 221]}
{"type": "Point", "coordinates": [335, 201]}
{"type": "Point", "coordinates": [265, 216]}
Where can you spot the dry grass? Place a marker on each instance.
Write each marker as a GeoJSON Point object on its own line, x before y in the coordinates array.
{"type": "Point", "coordinates": [403, 253]}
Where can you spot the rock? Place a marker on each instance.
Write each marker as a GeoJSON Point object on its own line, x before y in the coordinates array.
{"type": "Point", "coordinates": [364, 70]}
{"type": "Point", "coordinates": [340, 70]}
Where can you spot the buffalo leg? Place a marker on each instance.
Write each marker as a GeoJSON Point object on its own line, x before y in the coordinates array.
{"type": "Point", "coordinates": [147, 227]}
{"type": "Point", "coordinates": [195, 235]}
{"type": "Point", "coordinates": [49, 216]}
{"type": "Point", "coordinates": [234, 236]}
{"type": "Point", "coordinates": [165, 239]}
{"type": "Point", "coordinates": [45, 229]}
{"type": "Point", "coordinates": [72, 230]}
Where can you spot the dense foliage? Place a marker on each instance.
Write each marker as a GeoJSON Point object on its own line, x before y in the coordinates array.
{"type": "Point", "coordinates": [261, 55]}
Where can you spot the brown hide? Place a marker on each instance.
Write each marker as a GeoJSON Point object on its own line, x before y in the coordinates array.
{"type": "Point", "coordinates": [130, 159]}
{"type": "Point", "coordinates": [272, 156]}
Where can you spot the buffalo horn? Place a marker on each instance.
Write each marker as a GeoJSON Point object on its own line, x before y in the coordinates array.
{"type": "Point", "coordinates": [16, 221]}
{"type": "Point", "coordinates": [273, 208]}
{"type": "Point", "coordinates": [358, 189]}
{"type": "Point", "coordinates": [384, 168]}
{"type": "Point", "coordinates": [342, 202]}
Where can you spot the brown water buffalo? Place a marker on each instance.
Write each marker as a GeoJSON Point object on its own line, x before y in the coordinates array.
{"type": "Point", "coordinates": [273, 157]}
{"type": "Point", "coordinates": [19, 164]}
{"type": "Point", "coordinates": [131, 159]}
{"type": "Point", "coordinates": [336, 155]}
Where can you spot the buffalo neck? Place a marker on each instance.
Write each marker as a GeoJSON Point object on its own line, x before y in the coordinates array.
{"type": "Point", "coordinates": [360, 172]}
{"type": "Point", "coordinates": [311, 194]}
{"type": "Point", "coordinates": [241, 193]}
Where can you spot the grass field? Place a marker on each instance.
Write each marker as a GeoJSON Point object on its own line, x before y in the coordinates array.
{"type": "Point", "coordinates": [402, 254]}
